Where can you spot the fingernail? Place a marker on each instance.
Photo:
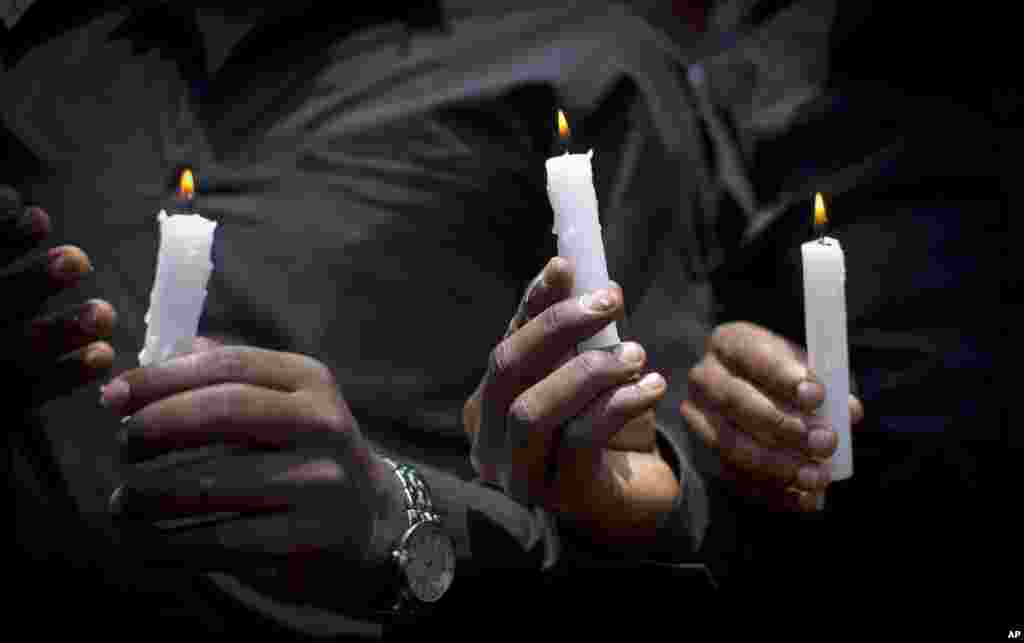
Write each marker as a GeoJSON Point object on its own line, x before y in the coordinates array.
{"type": "Point", "coordinates": [631, 353]}
{"type": "Point", "coordinates": [821, 440]}
{"type": "Point", "coordinates": [115, 393]}
{"type": "Point", "coordinates": [809, 394]}
{"type": "Point", "coordinates": [64, 267]}
{"type": "Point", "coordinates": [651, 382]}
{"type": "Point", "coordinates": [598, 302]}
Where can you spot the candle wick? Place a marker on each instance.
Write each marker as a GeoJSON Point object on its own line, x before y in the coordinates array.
{"type": "Point", "coordinates": [819, 231]}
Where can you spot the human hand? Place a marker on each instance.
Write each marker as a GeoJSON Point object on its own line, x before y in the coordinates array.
{"type": "Point", "coordinates": [53, 354]}
{"type": "Point", "coordinates": [572, 432]}
{"type": "Point", "coordinates": [230, 432]}
{"type": "Point", "coordinates": [752, 400]}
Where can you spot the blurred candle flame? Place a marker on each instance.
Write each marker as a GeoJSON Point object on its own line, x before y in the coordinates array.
{"type": "Point", "coordinates": [820, 218]}
{"type": "Point", "coordinates": [563, 126]}
{"type": "Point", "coordinates": [187, 185]}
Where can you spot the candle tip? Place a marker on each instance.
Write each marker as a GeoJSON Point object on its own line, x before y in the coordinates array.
{"type": "Point", "coordinates": [820, 215]}
{"type": "Point", "coordinates": [563, 127]}
{"type": "Point", "coordinates": [187, 185]}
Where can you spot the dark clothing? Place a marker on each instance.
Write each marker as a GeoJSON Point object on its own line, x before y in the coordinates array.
{"type": "Point", "coordinates": [908, 132]}
{"type": "Point", "coordinates": [381, 205]}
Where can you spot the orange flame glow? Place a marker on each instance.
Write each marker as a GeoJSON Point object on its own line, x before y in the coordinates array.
{"type": "Point", "coordinates": [187, 185]}
{"type": "Point", "coordinates": [820, 218]}
{"type": "Point", "coordinates": [563, 126]}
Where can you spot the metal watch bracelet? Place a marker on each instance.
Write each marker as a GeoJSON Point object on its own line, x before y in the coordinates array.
{"type": "Point", "coordinates": [418, 506]}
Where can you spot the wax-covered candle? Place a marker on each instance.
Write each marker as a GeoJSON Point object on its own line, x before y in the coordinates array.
{"type": "Point", "coordinates": [574, 201]}
{"type": "Point", "coordinates": [827, 347]}
{"type": "Point", "coordinates": [183, 268]}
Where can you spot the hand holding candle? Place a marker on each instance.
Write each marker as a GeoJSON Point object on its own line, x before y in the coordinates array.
{"type": "Point", "coordinates": [781, 436]}
{"type": "Point", "coordinates": [179, 290]}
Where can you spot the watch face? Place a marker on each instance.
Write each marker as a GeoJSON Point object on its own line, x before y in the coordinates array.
{"type": "Point", "coordinates": [430, 561]}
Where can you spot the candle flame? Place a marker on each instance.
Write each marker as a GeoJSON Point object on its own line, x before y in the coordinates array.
{"type": "Point", "coordinates": [820, 217]}
{"type": "Point", "coordinates": [187, 185]}
{"type": "Point", "coordinates": [563, 126]}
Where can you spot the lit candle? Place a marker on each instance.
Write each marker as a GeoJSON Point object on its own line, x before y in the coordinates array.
{"type": "Point", "coordinates": [574, 201]}
{"type": "Point", "coordinates": [827, 349]}
{"type": "Point", "coordinates": [179, 290]}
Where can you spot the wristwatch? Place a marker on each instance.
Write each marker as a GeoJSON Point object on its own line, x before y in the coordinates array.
{"type": "Point", "coordinates": [422, 562]}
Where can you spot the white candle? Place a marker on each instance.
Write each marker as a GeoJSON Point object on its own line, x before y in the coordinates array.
{"type": "Point", "coordinates": [183, 269]}
{"type": "Point", "coordinates": [827, 347]}
{"type": "Point", "coordinates": [574, 201]}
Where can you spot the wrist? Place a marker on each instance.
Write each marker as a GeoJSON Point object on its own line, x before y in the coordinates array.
{"type": "Point", "coordinates": [390, 520]}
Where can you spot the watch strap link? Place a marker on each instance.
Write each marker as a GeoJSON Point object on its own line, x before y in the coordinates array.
{"type": "Point", "coordinates": [418, 506]}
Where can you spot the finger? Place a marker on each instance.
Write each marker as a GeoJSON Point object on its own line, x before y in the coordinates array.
{"type": "Point", "coordinates": [772, 495]}
{"type": "Point", "coordinates": [28, 284]}
{"type": "Point", "coordinates": [613, 410]}
{"type": "Point", "coordinates": [778, 466]}
{"type": "Point", "coordinates": [745, 405]}
{"type": "Point", "coordinates": [232, 414]}
{"type": "Point", "coordinates": [54, 335]}
{"type": "Point", "coordinates": [535, 414]}
{"type": "Point", "coordinates": [768, 361]}
{"type": "Point", "coordinates": [68, 373]}
{"type": "Point", "coordinates": [698, 422]}
{"type": "Point", "coordinates": [526, 356]}
{"type": "Point", "coordinates": [202, 497]}
{"type": "Point", "coordinates": [286, 372]}
{"type": "Point", "coordinates": [551, 285]}
{"type": "Point", "coordinates": [218, 480]}
{"type": "Point", "coordinates": [21, 232]}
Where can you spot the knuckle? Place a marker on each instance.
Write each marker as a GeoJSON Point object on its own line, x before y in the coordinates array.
{"type": "Point", "coordinates": [226, 363]}
{"type": "Point", "coordinates": [554, 318]}
{"type": "Point", "coordinates": [591, 363]}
